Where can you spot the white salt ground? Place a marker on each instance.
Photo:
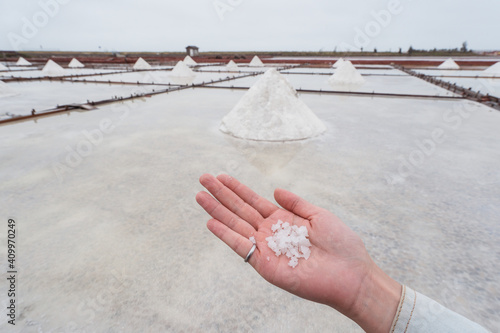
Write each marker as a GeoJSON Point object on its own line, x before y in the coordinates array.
{"type": "Point", "coordinates": [291, 241]}
{"type": "Point", "coordinates": [6, 90]}
{"type": "Point", "coordinates": [3, 68]}
{"type": "Point", "coordinates": [271, 111]}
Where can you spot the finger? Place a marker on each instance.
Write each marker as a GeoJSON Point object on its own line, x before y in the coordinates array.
{"type": "Point", "coordinates": [235, 241]}
{"type": "Point", "coordinates": [221, 213]}
{"type": "Point", "coordinates": [231, 200]}
{"type": "Point", "coordinates": [261, 205]}
{"type": "Point", "coordinates": [295, 204]}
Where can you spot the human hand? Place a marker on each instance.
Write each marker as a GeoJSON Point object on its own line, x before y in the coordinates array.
{"type": "Point", "coordinates": [339, 272]}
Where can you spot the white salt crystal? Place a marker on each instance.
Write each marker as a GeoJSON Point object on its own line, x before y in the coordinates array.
{"type": "Point", "coordinates": [271, 111]}
{"type": "Point", "coordinates": [252, 239]}
{"type": "Point", "coordinates": [346, 74]}
{"type": "Point", "coordinates": [289, 240]}
{"type": "Point", "coordinates": [181, 70]}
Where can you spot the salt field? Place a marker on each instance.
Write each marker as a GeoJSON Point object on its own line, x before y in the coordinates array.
{"type": "Point", "coordinates": [110, 238]}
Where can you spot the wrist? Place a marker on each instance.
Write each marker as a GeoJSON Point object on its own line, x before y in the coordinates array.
{"type": "Point", "coordinates": [377, 301]}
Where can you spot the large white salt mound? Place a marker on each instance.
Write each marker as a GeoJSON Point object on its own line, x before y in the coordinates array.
{"type": "Point", "coordinates": [141, 64]}
{"type": "Point", "coordinates": [291, 241]}
{"type": "Point", "coordinates": [189, 61]}
{"type": "Point", "coordinates": [23, 62]}
{"type": "Point", "coordinates": [182, 70]}
{"type": "Point", "coordinates": [256, 62]}
{"type": "Point", "coordinates": [338, 63]}
{"type": "Point", "coordinates": [231, 65]}
{"type": "Point", "coordinates": [6, 91]}
{"type": "Point", "coordinates": [449, 64]}
{"type": "Point", "coordinates": [271, 111]}
{"type": "Point", "coordinates": [346, 74]}
{"type": "Point", "coordinates": [495, 69]}
{"type": "Point", "coordinates": [3, 68]}
{"type": "Point", "coordinates": [52, 68]}
{"type": "Point", "coordinates": [74, 63]}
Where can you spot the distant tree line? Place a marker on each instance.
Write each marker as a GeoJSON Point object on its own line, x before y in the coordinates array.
{"type": "Point", "coordinates": [463, 49]}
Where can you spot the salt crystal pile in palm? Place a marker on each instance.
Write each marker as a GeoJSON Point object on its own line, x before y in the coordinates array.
{"type": "Point", "coordinates": [291, 241]}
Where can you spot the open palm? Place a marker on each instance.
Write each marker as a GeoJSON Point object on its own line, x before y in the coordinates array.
{"type": "Point", "coordinates": [338, 264]}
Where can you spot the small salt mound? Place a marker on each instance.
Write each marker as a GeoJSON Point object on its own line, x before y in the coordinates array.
{"type": "Point", "coordinates": [232, 66]}
{"type": "Point", "coordinates": [23, 62]}
{"type": "Point", "coordinates": [52, 68]}
{"type": "Point", "coordinates": [449, 64]}
{"type": "Point", "coordinates": [6, 91]}
{"type": "Point", "coordinates": [182, 70]}
{"type": "Point", "coordinates": [291, 241]}
{"type": "Point", "coordinates": [189, 61]}
{"type": "Point", "coordinates": [256, 62]}
{"type": "Point", "coordinates": [3, 68]}
{"type": "Point", "coordinates": [141, 64]}
{"type": "Point", "coordinates": [271, 111]}
{"type": "Point", "coordinates": [75, 64]}
{"type": "Point", "coordinates": [495, 69]}
{"type": "Point", "coordinates": [338, 63]}
{"type": "Point", "coordinates": [346, 74]}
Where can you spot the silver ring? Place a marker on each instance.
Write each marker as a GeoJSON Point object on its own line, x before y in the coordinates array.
{"type": "Point", "coordinates": [252, 250]}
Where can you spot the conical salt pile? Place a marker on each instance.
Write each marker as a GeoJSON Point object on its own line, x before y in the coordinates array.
{"type": "Point", "coordinates": [346, 74]}
{"type": "Point", "coordinates": [23, 62]}
{"type": "Point", "coordinates": [182, 70]}
{"type": "Point", "coordinates": [189, 61]}
{"type": "Point", "coordinates": [52, 68]}
{"type": "Point", "coordinates": [75, 64]}
{"type": "Point", "coordinates": [494, 69]}
{"type": "Point", "coordinates": [271, 111]}
{"type": "Point", "coordinates": [6, 91]}
{"type": "Point", "coordinates": [338, 63]}
{"type": "Point", "coordinates": [141, 64]}
{"type": "Point", "coordinates": [3, 68]}
{"type": "Point", "coordinates": [256, 62]}
{"type": "Point", "coordinates": [449, 64]}
{"type": "Point", "coordinates": [232, 66]}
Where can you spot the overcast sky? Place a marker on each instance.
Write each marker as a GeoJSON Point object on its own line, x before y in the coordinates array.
{"type": "Point", "coordinates": [247, 25]}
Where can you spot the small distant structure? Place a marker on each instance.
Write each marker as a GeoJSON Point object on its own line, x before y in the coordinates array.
{"type": "Point", "coordinates": [193, 51]}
